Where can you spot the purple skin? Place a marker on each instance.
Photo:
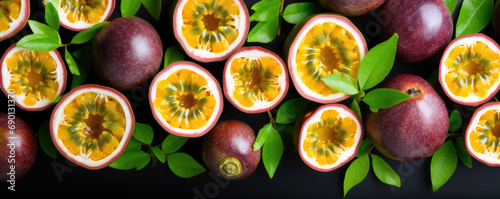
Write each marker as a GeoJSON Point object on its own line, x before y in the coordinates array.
{"type": "Point", "coordinates": [18, 149]}
{"type": "Point", "coordinates": [126, 53]}
{"type": "Point", "coordinates": [413, 129]}
{"type": "Point", "coordinates": [230, 142]}
{"type": "Point", "coordinates": [351, 8]}
{"type": "Point", "coordinates": [424, 27]}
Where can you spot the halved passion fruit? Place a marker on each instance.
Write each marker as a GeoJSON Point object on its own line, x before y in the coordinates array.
{"type": "Point", "coordinates": [79, 15]}
{"type": "Point", "coordinates": [186, 99]}
{"type": "Point", "coordinates": [91, 125]}
{"type": "Point", "coordinates": [469, 69]}
{"type": "Point", "coordinates": [320, 45]}
{"type": "Point", "coordinates": [13, 17]}
{"type": "Point", "coordinates": [482, 137]}
{"type": "Point", "coordinates": [328, 137]}
{"type": "Point", "coordinates": [255, 79]}
{"type": "Point", "coordinates": [33, 78]}
{"type": "Point", "coordinates": [210, 30]}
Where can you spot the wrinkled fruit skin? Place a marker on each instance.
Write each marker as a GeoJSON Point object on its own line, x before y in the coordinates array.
{"type": "Point", "coordinates": [413, 129]}
{"type": "Point", "coordinates": [424, 27]}
{"type": "Point", "coordinates": [351, 8]}
{"type": "Point", "coordinates": [231, 138]}
{"type": "Point", "coordinates": [126, 53]}
{"type": "Point", "coordinates": [22, 154]}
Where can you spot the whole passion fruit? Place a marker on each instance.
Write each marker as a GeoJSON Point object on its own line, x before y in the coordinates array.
{"type": "Point", "coordinates": [210, 30]}
{"type": "Point", "coordinates": [255, 79]}
{"type": "Point", "coordinates": [328, 137]}
{"type": "Point", "coordinates": [469, 69]}
{"type": "Point", "coordinates": [14, 15]}
{"type": "Point", "coordinates": [227, 150]}
{"type": "Point", "coordinates": [186, 100]}
{"type": "Point", "coordinates": [33, 79]}
{"type": "Point", "coordinates": [320, 45]}
{"type": "Point", "coordinates": [80, 15]}
{"type": "Point", "coordinates": [91, 125]}
{"type": "Point", "coordinates": [482, 136]}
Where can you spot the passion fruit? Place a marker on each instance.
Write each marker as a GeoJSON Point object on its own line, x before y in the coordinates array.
{"type": "Point", "coordinates": [186, 99]}
{"type": "Point", "coordinates": [320, 45]}
{"type": "Point", "coordinates": [482, 136]}
{"type": "Point", "coordinates": [210, 30]}
{"type": "Point", "coordinates": [328, 137]}
{"type": "Point", "coordinates": [91, 125]}
{"type": "Point", "coordinates": [469, 69]}
{"type": "Point", "coordinates": [78, 15]}
{"type": "Point", "coordinates": [255, 79]}
{"type": "Point", "coordinates": [34, 79]}
{"type": "Point", "coordinates": [14, 15]}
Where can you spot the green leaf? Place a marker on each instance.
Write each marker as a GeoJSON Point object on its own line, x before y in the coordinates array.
{"type": "Point", "coordinates": [356, 172]}
{"type": "Point", "coordinates": [51, 16]}
{"type": "Point", "coordinates": [384, 172]}
{"type": "Point", "coordinates": [269, 11]}
{"type": "Point", "coordinates": [451, 4]}
{"type": "Point", "coordinates": [183, 165]}
{"type": "Point", "coordinates": [43, 30]}
{"type": "Point", "coordinates": [382, 98]}
{"type": "Point", "coordinates": [262, 136]}
{"type": "Point", "coordinates": [364, 147]}
{"type": "Point", "coordinates": [54, 2]}
{"type": "Point", "coordinates": [443, 164]}
{"type": "Point", "coordinates": [143, 133]}
{"type": "Point", "coordinates": [261, 4]}
{"type": "Point", "coordinates": [473, 17]}
{"type": "Point", "coordinates": [291, 110]}
{"type": "Point", "coordinates": [455, 121]}
{"type": "Point", "coordinates": [462, 152]}
{"type": "Point", "coordinates": [342, 83]}
{"type": "Point", "coordinates": [153, 7]}
{"type": "Point", "coordinates": [45, 140]}
{"type": "Point", "coordinates": [286, 133]}
{"type": "Point", "coordinates": [38, 43]}
{"type": "Point", "coordinates": [82, 57]}
{"type": "Point", "coordinates": [130, 160]}
{"type": "Point", "coordinates": [173, 54]}
{"type": "Point", "coordinates": [133, 145]}
{"type": "Point", "coordinates": [296, 12]}
{"type": "Point", "coordinates": [89, 34]}
{"type": "Point", "coordinates": [377, 63]}
{"type": "Point", "coordinates": [264, 31]}
{"type": "Point", "coordinates": [172, 143]}
{"type": "Point", "coordinates": [355, 108]}
{"type": "Point", "coordinates": [159, 154]}
{"type": "Point", "coordinates": [272, 152]}
{"type": "Point", "coordinates": [129, 7]}
{"type": "Point", "coordinates": [73, 67]}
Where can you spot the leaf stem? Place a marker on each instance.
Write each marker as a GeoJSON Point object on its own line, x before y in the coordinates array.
{"type": "Point", "coordinates": [280, 18]}
{"type": "Point", "coordinates": [271, 119]}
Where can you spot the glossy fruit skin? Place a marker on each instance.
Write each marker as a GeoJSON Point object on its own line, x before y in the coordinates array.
{"type": "Point", "coordinates": [126, 53]}
{"type": "Point", "coordinates": [19, 147]}
{"type": "Point", "coordinates": [413, 129]}
{"type": "Point", "coordinates": [231, 138]}
{"type": "Point", "coordinates": [424, 27]}
{"type": "Point", "coordinates": [351, 8]}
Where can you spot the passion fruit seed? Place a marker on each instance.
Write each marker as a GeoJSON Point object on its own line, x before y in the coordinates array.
{"type": "Point", "coordinates": [89, 11]}
{"type": "Point", "coordinates": [485, 138]}
{"type": "Point", "coordinates": [9, 12]}
{"type": "Point", "coordinates": [230, 166]}
{"type": "Point", "coordinates": [93, 125]}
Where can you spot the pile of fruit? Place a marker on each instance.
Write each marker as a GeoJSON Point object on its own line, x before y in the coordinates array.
{"type": "Point", "coordinates": [330, 96]}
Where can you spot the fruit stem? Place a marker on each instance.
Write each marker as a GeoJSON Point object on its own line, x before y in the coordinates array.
{"type": "Point", "coordinates": [271, 118]}
{"type": "Point", "coordinates": [280, 18]}
{"type": "Point", "coordinates": [414, 92]}
{"type": "Point", "coordinates": [230, 166]}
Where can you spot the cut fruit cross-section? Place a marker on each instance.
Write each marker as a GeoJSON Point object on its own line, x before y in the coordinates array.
{"type": "Point", "coordinates": [13, 17]}
{"type": "Point", "coordinates": [79, 15]}
{"type": "Point", "coordinates": [482, 137]}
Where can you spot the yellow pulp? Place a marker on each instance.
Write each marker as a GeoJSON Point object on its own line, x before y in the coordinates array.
{"type": "Point", "coordinates": [93, 126]}
{"type": "Point", "coordinates": [472, 70]}
{"type": "Point", "coordinates": [9, 12]}
{"type": "Point", "coordinates": [33, 74]}
{"type": "Point", "coordinates": [326, 49]}
{"type": "Point", "coordinates": [184, 100]}
{"type": "Point", "coordinates": [485, 138]}
{"type": "Point", "coordinates": [209, 25]}
{"type": "Point", "coordinates": [88, 11]}
{"type": "Point", "coordinates": [255, 80]}
{"type": "Point", "coordinates": [327, 139]}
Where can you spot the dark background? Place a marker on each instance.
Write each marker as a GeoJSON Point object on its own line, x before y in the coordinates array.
{"type": "Point", "coordinates": [293, 179]}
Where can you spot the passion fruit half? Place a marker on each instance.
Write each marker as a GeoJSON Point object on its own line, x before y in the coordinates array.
{"type": "Point", "coordinates": [255, 79]}
{"type": "Point", "coordinates": [14, 15]}
{"type": "Point", "coordinates": [186, 100]}
{"type": "Point", "coordinates": [210, 30]}
{"type": "Point", "coordinates": [79, 15]}
{"type": "Point", "coordinates": [482, 136]}
{"type": "Point", "coordinates": [91, 125]}
{"type": "Point", "coordinates": [328, 137]}
{"type": "Point", "coordinates": [320, 45]}
{"type": "Point", "coordinates": [469, 69]}
{"type": "Point", "coordinates": [33, 78]}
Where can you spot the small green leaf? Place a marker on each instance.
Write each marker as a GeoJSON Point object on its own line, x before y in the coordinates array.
{"type": "Point", "coordinates": [462, 152]}
{"type": "Point", "coordinates": [377, 63]}
{"type": "Point", "coordinates": [130, 160]}
{"type": "Point", "coordinates": [43, 30]}
{"type": "Point", "coordinates": [173, 54]}
{"type": "Point", "coordinates": [260, 5]}
{"type": "Point", "coordinates": [51, 16]}
{"type": "Point", "coordinates": [355, 108]}
{"type": "Point", "coordinates": [133, 145]}
{"type": "Point", "coordinates": [382, 98]}
{"type": "Point", "coordinates": [159, 154]}
{"type": "Point", "coordinates": [296, 12]}
{"type": "Point", "coordinates": [373, 109]}
{"type": "Point", "coordinates": [443, 164]}
{"type": "Point", "coordinates": [264, 31]}
{"type": "Point", "coordinates": [89, 34]}
{"type": "Point", "coordinates": [73, 67]}
{"type": "Point", "coordinates": [262, 136]}
{"type": "Point", "coordinates": [272, 152]}
{"type": "Point", "coordinates": [473, 17]}
{"type": "Point", "coordinates": [384, 172]}
{"type": "Point", "coordinates": [183, 165]}
{"type": "Point", "coordinates": [451, 4]}
{"type": "Point", "coordinates": [286, 133]}
{"type": "Point", "coordinates": [129, 7]}
{"type": "Point", "coordinates": [82, 57]}
{"type": "Point", "coordinates": [172, 143]}
{"type": "Point", "coordinates": [364, 147]}
{"type": "Point", "coordinates": [455, 121]}
{"type": "Point", "coordinates": [153, 7]}
{"type": "Point", "coordinates": [45, 140]}
{"type": "Point", "coordinates": [291, 110]}
{"type": "Point", "coordinates": [342, 83]}
{"type": "Point", "coordinates": [356, 172]}
{"type": "Point", "coordinates": [143, 133]}
{"type": "Point", "coordinates": [38, 43]}
{"type": "Point", "coordinates": [267, 12]}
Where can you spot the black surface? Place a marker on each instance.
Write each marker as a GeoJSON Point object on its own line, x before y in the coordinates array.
{"type": "Point", "coordinates": [293, 179]}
